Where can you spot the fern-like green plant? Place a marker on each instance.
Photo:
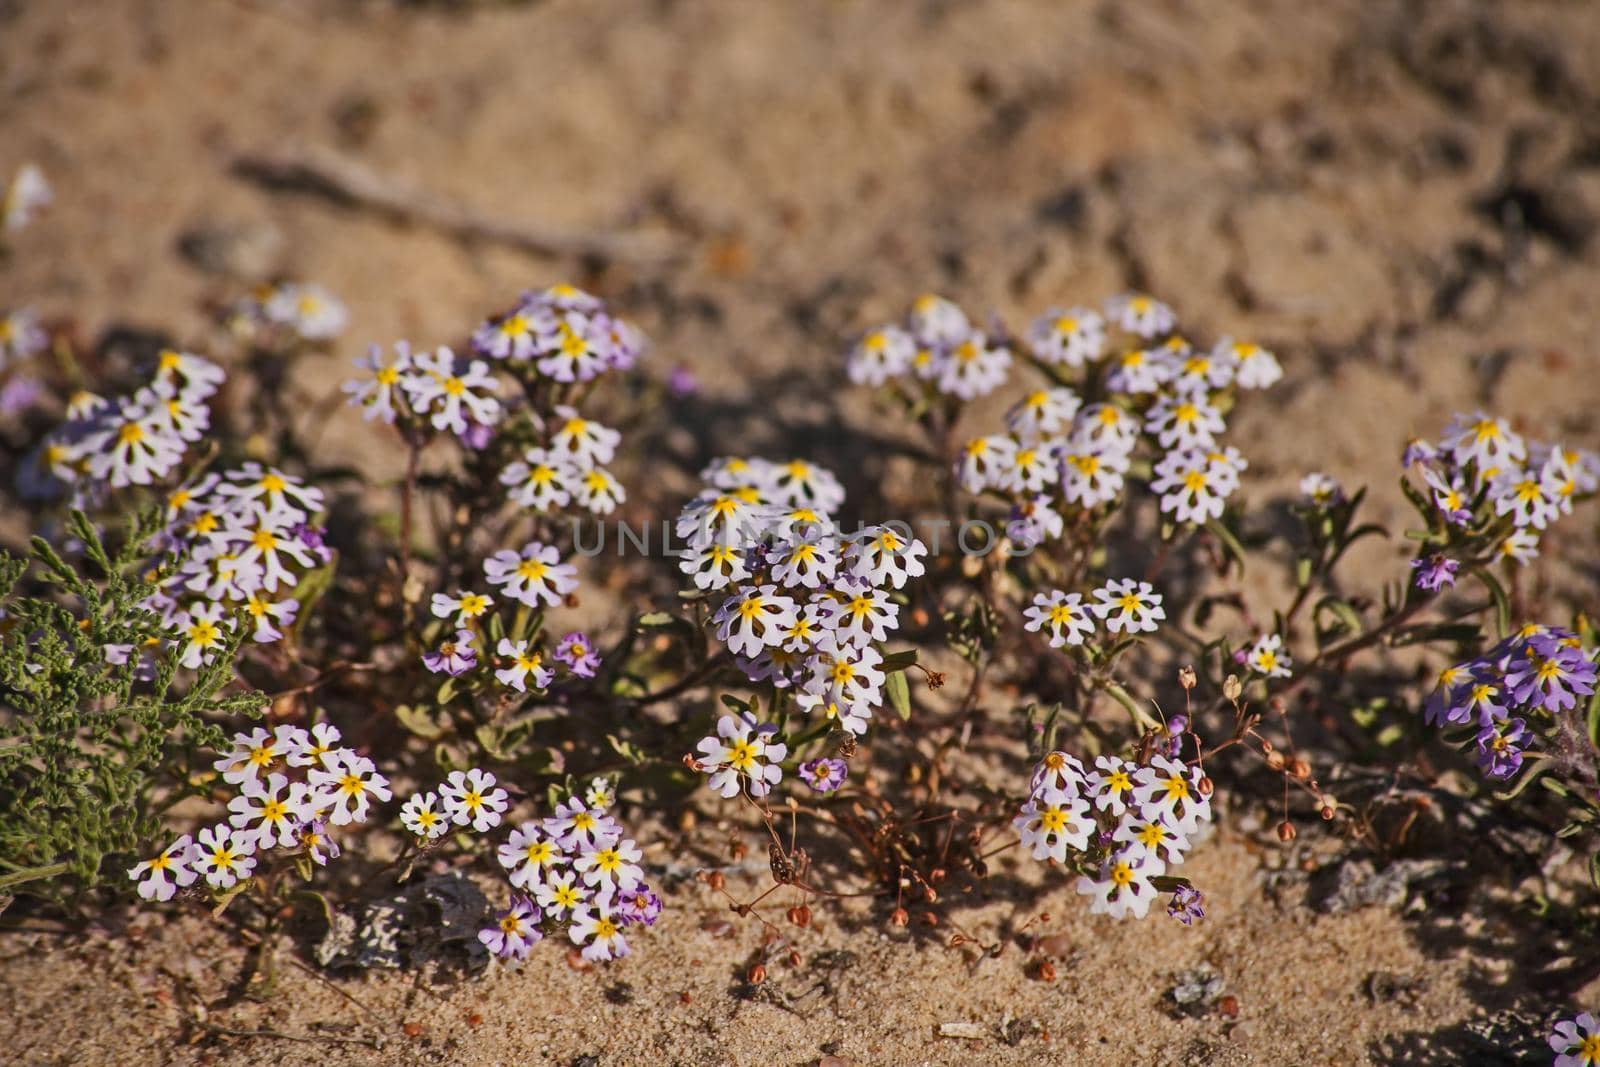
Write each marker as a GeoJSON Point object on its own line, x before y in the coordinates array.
{"type": "Point", "coordinates": [90, 750]}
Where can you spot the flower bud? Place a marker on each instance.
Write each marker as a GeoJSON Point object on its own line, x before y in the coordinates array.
{"type": "Point", "coordinates": [1327, 810]}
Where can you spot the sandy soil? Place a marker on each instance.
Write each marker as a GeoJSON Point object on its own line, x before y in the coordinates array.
{"type": "Point", "coordinates": [1399, 198]}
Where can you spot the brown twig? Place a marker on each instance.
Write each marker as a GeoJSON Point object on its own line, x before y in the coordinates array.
{"type": "Point", "coordinates": [335, 176]}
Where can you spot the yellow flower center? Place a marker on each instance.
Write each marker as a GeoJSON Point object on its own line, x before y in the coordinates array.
{"type": "Point", "coordinates": [532, 569]}
{"type": "Point", "coordinates": [454, 386]}
{"type": "Point", "coordinates": [742, 755]}
{"type": "Point", "coordinates": [131, 434]}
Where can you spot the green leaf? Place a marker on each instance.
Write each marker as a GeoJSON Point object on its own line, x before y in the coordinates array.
{"type": "Point", "coordinates": [627, 750]}
{"type": "Point", "coordinates": [311, 588]}
{"type": "Point", "coordinates": [1497, 592]}
{"type": "Point", "coordinates": [899, 661]}
{"type": "Point", "coordinates": [1343, 612]}
{"type": "Point", "coordinates": [1231, 548]}
{"type": "Point", "coordinates": [656, 620]}
{"type": "Point", "coordinates": [419, 721]}
{"type": "Point", "coordinates": [899, 694]}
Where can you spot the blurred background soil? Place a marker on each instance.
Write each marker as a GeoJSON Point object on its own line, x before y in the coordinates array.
{"type": "Point", "coordinates": [1400, 198]}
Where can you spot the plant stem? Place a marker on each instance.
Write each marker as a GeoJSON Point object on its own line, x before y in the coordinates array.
{"type": "Point", "coordinates": [30, 874]}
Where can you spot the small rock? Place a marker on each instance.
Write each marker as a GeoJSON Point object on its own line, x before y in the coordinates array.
{"type": "Point", "coordinates": [965, 1031]}
{"type": "Point", "coordinates": [1057, 945]}
{"type": "Point", "coordinates": [1357, 883]}
{"type": "Point", "coordinates": [247, 251]}
{"type": "Point", "coordinates": [1194, 990]}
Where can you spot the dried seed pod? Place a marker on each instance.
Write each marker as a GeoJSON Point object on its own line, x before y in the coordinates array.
{"type": "Point", "coordinates": [1232, 687]}
{"type": "Point", "coordinates": [899, 917]}
{"type": "Point", "coordinates": [715, 880]}
{"type": "Point", "coordinates": [1327, 810]}
{"type": "Point", "coordinates": [1286, 831]}
{"type": "Point", "coordinates": [1187, 677]}
{"type": "Point", "coordinates": [1205, 785]}
{"type": "Point", "coordinates": [800, 916]}
{"type": "Point", "coordinates": [1275, 760]}
{"type": "Point", "coordinates": [757, 975]}
{"type": "Point", "coordinates": [1300, 768]}
{"type": "Point", "coordinates": [1046, 971]}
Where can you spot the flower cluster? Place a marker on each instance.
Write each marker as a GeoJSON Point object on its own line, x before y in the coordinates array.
{"type": "Point", "coordinates": [554, 343]}
{"type": "Point", "coordinates": [236, 545]}
{"type": "Point", "coordinates": [1487, 493]}
{"type": "Point", "coordinates": [1059, 453]}
{"type": "Point", "coordinates": [938, 345]}
{"type": "Point", "coordinates": [574, 870]}
{"type": "Point", "coordinates": [1536, 678]}
{"type": "Point", "coordinates": [293, 784]}
{"type": "Point", "coordinates": [1123, 606]}
{"type": "Point", "coordinates": [289, 313]}
{"type": "Point", "coordinates": [805, 604]}
{"type": "Point", "coordinates": [1123, 825]}
{"type": "Point", "coordinates": [533, 578]}
{"type": "Point", "coordinates": [138, 439]}
{"type": "Point", "coordinates": [565, 334]}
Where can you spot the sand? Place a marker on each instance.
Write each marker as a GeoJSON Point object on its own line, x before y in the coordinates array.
{"type": "Point", "coordinates": [1400, 199]}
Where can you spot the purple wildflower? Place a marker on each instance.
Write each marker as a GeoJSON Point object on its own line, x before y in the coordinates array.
{"type": "Point", "coordinates": [314, 539]}
{"type": "Point", "coordinates": [454, 657]}
{"type": "Point", "coordinates": [578, 654]}
{"type": "Point", "coordinates": [1418, 451]}
{"type": "Point", "coordinates": [477, 435]}
{"type": "Point", "coordinates": [18, 395]}
{"type": "Point", "coordinates": [638, 905]}
{"type": "Point", "coordinates": [1500, 752]}
{"type": "Point", "coordinates": [1550, 671]}
{"type": "Point", "coordinates": [313, 837]}
{"type": "Point", "coordinates": [516, 931]}
{"type": "Point", "coordinates": [825, 774]}
{"type": "Point", "coordinates": [1435, 572]}
{"type": "Point", "coordinates": [1173, 746]}
{"type": "Point", "coordinates": [1187, 905]}
{"type": "Point", "coordinates": [682, 383]}
{"type": "Point", "coordinates": [1576, 1042]}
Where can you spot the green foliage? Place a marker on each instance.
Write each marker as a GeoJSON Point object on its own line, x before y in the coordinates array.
{"type": "Point", "coordinates": [89, 748]}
